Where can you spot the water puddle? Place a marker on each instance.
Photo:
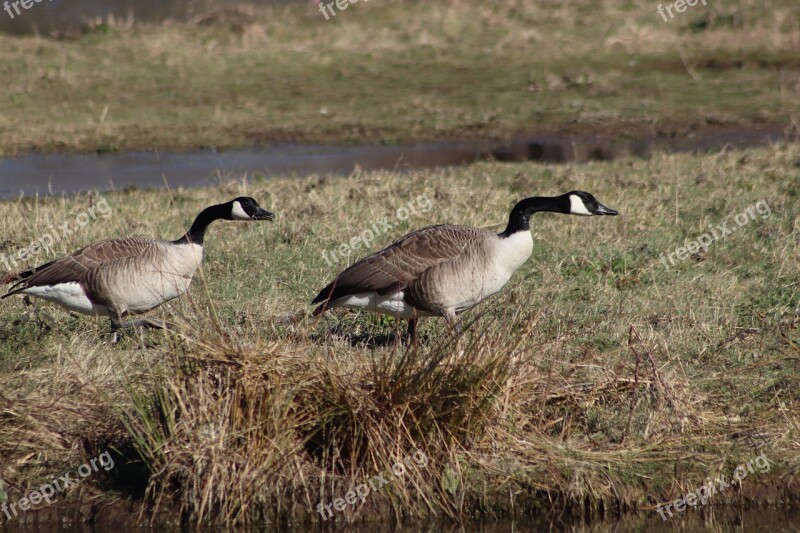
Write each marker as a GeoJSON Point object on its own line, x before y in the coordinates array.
{"type": "Point", "coordinates": [716, 520]}
{"type": "Point", "coordinates": [71, 173]}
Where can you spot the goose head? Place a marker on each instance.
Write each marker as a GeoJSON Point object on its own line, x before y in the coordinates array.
{"type": "Point", "coordinates": [246, 208]}
{"type": "Point", "coordinates": [571, 203]}
{"type": "Point", "coordinates": [583, 203]}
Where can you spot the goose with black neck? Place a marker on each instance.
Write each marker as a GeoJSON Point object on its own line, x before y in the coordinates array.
{"type": "Point", "coordinates": [128, 275]}
{"type": "Point", "coordinates": [445, 270]}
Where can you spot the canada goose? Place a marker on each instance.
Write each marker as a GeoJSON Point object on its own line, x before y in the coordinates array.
{"type": "Point", "coordinates": [444, 270]}
{"type": "Point", "coordinates": [128, 275]}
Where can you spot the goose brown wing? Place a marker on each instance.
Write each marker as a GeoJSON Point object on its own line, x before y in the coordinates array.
{"type": "Point", "coordinates": [82, 265]}
{"type": "Point", "coordinates": [399, 264]}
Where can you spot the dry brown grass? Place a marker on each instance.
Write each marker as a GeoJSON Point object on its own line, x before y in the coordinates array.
{"type": "Point", "coordinates": [597, 379]}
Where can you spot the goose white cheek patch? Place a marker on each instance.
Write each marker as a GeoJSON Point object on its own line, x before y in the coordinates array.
{"type": "Point", "coordinates": [238, 212]}
{"type": "Point", "coordinates": [576, 206]}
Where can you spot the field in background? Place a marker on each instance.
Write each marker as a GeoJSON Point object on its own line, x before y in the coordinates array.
{"type": "Point", "coordinates": [599, 381]}
{"type": "Point", "coordinates": [402, 71]}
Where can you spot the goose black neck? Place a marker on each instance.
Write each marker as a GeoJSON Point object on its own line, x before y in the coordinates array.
{"type": "Point", "coordinates": [204, 219]}
{"type": "Point", "coordinates": [519, 219]}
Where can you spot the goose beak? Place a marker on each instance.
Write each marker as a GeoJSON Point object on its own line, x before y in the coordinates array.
{"type": "Point", "coordinates": [263, 214]}
{"type": "Point", "coordinates": [603, 210]}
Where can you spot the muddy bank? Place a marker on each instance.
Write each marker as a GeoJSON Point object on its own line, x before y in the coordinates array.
{"type": "Point", "coordinates": [106, 515]}
{"type": "Point", "coordinates": [44, 175]}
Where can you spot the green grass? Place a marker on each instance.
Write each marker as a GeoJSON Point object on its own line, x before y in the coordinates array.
{"type": "Point", "coordinates": [596, 376]}
{"type": "Point", "coordinates": [402, 71]}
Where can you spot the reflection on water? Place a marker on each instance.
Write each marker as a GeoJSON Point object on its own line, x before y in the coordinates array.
{"type": "Point", "coordinates": [709, 520]}
{"type": "Point", "coordinates": [63, 174]}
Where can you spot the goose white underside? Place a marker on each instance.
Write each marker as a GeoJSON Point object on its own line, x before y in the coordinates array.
{"type": "Point", "coordinates": [68, 295]}
{"type": "Point", "coordinates": [392, 304]}
{"type": "Point", "coordinates": [71, 296]}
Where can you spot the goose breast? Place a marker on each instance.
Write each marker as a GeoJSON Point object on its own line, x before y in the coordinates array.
{"type": "Point", "coordinates": [163, 272]}
{"type": "Point", "coordinates": [480, 271]}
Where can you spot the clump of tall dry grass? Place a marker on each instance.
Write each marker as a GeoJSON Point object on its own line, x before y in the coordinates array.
{"type": "Point", "coordinates": [236, 435]}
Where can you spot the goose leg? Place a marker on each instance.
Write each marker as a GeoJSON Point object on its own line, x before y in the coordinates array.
{"type": "Point", "coordinates": [411, 335]}
{"type": "Point", "coordinates": [449, 316]}
{"type": "Point", "coordinates": [31, 307]}
{"type": "Point", "coordinates": [113, 315]}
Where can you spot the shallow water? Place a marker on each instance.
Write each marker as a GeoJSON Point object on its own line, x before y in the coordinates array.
{"type": "Point", "coordinates": [58, 174]}
{"type": "Point", "coordinates": [70, 173]}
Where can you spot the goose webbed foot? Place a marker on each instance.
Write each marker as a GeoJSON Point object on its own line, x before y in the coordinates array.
{"type": "Point", "coordinates": [153, 323]}
{"type": "Point", "coordinates": [146, 322]}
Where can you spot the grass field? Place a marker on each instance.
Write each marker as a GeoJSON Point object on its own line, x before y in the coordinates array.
{"type": "Point", "coordinates": [402, 71]}
{"type": "Point", "coordinates": [599, 381]}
